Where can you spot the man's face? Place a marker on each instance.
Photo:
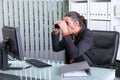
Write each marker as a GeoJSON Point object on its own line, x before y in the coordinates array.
{"type": "Point", "coordinates": [70, 24]}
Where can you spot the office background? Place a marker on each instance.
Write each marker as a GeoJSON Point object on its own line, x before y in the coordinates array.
{"type": "Point", "coordinates": [36, 20]}
{"type": "Point", "coordinates": [100, 14]}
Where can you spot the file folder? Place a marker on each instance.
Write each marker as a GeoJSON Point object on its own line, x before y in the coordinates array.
{"type": "Point", "coordinates": [75, 69]}
{"type": "Point", "coordinates": [116, 10]}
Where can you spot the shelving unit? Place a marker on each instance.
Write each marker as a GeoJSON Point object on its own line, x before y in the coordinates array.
{"type": "Point", "coordinates": [79, 6]}
{"type": "Point", "coordinates": [116, 20]}
{"type": "Point", "coordinates": [95, 12]}
{"type": "Point", "coordinates": [100, 14]}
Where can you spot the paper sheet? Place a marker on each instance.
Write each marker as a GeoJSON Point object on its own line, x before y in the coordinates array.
{"type": "Point", "coordinates": [76, 73]}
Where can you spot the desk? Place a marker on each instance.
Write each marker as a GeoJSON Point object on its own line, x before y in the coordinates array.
{"type": "Point", "coordinates": [53, 73]}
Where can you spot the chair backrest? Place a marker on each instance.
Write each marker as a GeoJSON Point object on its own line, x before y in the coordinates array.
{"type": "Point", "coordinates": [106, 47]}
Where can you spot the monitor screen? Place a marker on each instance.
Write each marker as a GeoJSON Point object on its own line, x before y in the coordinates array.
{"type": "Point", "coordinates": [11, 45]}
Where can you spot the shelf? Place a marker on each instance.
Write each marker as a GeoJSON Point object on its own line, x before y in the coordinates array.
{"type": "Point", "coordinates": [116, 16]}
{"type": "Point", "coordinates": [100, 19]}
{"type": "Point", "coordinates": [100, 0]}
{"type": "Point", "coordinates": [79, 1]}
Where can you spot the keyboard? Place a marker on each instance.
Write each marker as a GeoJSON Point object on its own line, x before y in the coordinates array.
{"type": "Point", "coordinates": [37, 63]}
{"type": "Point", "coordinates": [5, 76]}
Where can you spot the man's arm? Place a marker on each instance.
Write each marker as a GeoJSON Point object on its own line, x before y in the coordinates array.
{"type": "Point", "coordinates": [56, 44]}
{"type": "Point", "coordinates": [82, 46]}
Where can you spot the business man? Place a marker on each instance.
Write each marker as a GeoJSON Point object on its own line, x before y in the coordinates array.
{"type": "Point", "coordinates": [77, 40]}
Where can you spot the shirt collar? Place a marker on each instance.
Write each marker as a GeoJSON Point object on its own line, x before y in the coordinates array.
{"type": "Point", "coordinates": [80, 30]}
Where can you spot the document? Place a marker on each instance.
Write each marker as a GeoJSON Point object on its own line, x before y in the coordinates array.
{"type": "Point", "coordinates": [75, 73]}
{"type": "Point", "coordinates": [75, 69]}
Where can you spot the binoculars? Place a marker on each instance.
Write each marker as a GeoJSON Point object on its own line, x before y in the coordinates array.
{"type": "Point", "coordinates": [56, 26]}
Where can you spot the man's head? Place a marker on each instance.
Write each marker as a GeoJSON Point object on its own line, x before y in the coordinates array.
{"type": "Point", "coordinates": [74, 21]}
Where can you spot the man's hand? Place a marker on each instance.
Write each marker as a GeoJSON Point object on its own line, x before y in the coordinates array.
{"type": "Point", "coordinates": [63, 26]}
{"type": "Point", "coordinates": [56, 31]}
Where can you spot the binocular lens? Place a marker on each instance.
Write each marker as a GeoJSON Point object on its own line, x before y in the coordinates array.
{"type": "Point", "coordinates": [56, 26]}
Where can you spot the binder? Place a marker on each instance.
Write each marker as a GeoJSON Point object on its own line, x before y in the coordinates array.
{"type": "Point", "coordinates": [91, 10]}
{"type": "Point", "coordinates": [75, 69]}
{"type": "Point", "coordinates": [75, 7]}
{"type": "Point", "coordinates": [85, 10]}
{"type": "Point", "coordinates": [116, 10]}
{"type": "Point", "coordinates": [109, 10]}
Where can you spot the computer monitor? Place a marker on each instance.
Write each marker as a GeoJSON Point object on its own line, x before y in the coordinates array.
{"type": "Point", "coordinates": [11, 45]}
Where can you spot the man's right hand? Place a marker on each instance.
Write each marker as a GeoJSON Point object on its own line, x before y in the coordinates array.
{"type": "Point", "coordinates": [56, 31]}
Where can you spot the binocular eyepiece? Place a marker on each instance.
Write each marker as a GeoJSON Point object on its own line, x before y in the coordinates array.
{"type": "Point", "coordinates": [56, 26]}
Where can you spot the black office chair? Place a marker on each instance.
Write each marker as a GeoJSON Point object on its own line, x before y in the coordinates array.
{"type": "Point", "coordinates": [106, 47]}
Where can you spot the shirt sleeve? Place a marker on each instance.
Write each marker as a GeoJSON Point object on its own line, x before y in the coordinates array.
{"type": "Point", "coordinates": [57, 44]}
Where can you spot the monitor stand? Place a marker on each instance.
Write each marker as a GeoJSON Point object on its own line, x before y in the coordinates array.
{"type": "Point", "coordinates": [4, 59]}
{"type": "Point", "coordinates": [3, 56]}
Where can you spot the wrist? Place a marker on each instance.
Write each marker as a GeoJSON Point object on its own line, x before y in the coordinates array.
{"type": "Point", "coordinates": [55, 32]}
{"type": "Point", "coordinates": [65, 34]}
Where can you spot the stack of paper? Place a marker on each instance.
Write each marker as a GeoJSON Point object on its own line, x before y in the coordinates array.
{"type": "Point", "coordinates": [75, 69]}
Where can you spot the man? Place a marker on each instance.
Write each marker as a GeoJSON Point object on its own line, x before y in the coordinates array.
{"type": "Point", "coordinates": [77, 40]}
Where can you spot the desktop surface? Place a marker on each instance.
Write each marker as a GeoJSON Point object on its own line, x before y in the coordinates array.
{"type": "Point", "coordinates": [4, 76]}
{"type": "Point", "coordinates": [53, 72]}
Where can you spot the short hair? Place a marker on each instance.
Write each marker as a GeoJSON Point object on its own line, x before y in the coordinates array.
{"type": "Point", "coordinates": [76, 17]}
